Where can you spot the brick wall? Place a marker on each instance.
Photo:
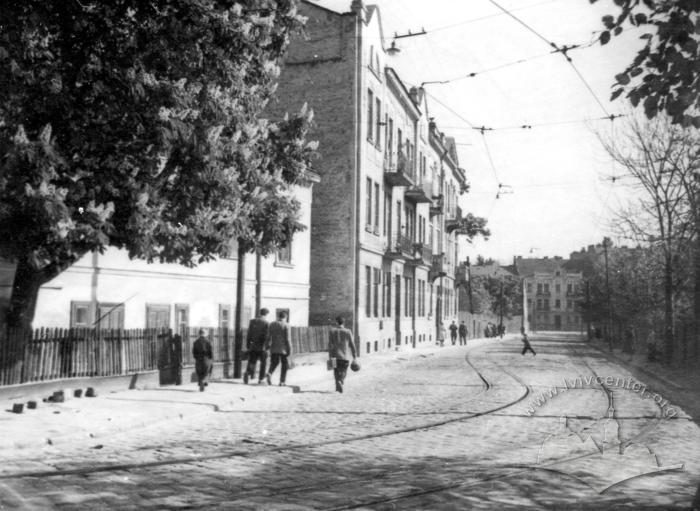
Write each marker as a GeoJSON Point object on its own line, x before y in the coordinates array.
{"type": "Point", "coordinates": [319, 70]}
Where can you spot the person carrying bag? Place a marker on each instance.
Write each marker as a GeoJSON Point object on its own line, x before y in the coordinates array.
{"type": "Point", "coordinates": [340, 345]}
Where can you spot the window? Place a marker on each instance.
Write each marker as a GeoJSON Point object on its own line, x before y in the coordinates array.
{"type": "Point", "coordinates": [390, 136]}
{"type": "Point", "coordinates": [387, 214]}
{"type": "Point", "coordinates": [569, 288]}
{"type": "Point", "coordinates": [546, 288]}
{"type": "Point", "coordinates": [370, 113]}
{"type": "Point", "coordinates": [377, 285]}
{"type": "Point", "coordinates": [379, 123]}
{"type": "Point", "coordinates": [406, 296]}
{"type": "Point", "coordinates": [529, 287]}
{"type": "Point", "coordinates": [110, 316]}
{"type": "Point", "coordinates": [539, 288]}
{"type": "Point", "coordinates": [377, 198]}
{"type": "Point", "coordinates": [80, 316]}
{"type": "Point", "coordinates": [399, 227]}
{"type": "Point", "coordinates": [182, 317]}
{"type": "Point", "coordinates": [224, 316]}
{"type": "Point", "coordinates": [387, 294]}
{"type": "Point", "coordinates": [557, 304]}
{"type": "Point", "coordinates": [368, 291]}
{"type": "Point", "coordinates": [368, 214]}
{"type": "Point", "coordinates": [421, 298]}
{"type": "Point", "coordinates": [157, 316]}
{"type": "Point", "coordinates": [539, 304]}
{"type": "Point", "coordinates": [284, 254]}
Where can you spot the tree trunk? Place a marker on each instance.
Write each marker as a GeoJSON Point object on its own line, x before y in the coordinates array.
{"type": "Point", "coordinates": [240, 296]}
{"type": "Point", "coordinates": [696, 301]}
{"type": "Point", "coordinates": [25, 291]}
{"type": "Point", "coordinates": [668, 310]}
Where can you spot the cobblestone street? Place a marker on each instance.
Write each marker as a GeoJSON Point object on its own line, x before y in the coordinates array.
{"type": "Point", "coordinates": [478, 427]}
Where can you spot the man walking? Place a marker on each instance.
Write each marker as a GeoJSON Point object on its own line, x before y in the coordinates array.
{"type": "Point", "coordinates": [202, 353]}
{"type": "Point", "coordinates": [258, 331]}
{"type": "Point", "coordinates": [340, 341]}
{"type": "Point", "coordinates": [526, 342]}
{"type": "Point", "coordinates": [462, 333]}
{"type": "Point", "coordinates": [453, 332]}
{"type": "Point", "coordinates": [280, 347]}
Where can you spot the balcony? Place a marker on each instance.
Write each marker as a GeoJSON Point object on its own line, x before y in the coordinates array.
{"type": "Point", "coordinates": [423, 254]}
{"type": "Point", "coordinates": [398, 170]}
{"type": "Point", "coordinates": [461, 275]}
{"type": "Point", "coordinates": [453, 219]}
{"type": "Point", "coordinates": [438, 206]}
{"type": "Point", "coordinates": [400, 247]}
{"type": "Point", "coordinates": [421, 193]}
{"type": "Point", "coordinates": [438, 267]}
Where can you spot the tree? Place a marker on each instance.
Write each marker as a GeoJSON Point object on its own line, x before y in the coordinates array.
{"type": "Point", "coordinates": [486, 290]}
{"type": "Point", "coordinates": [139, 125]}
{"type": "Point", "coordinates": [665, 74]}
{"type": "Point", "coordinates": [661, 159]}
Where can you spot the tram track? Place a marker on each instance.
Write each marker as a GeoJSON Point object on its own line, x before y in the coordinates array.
{"type": "Point", "coordinates": [549, 467]}
{"type": "Point", "coordinates": [247, 453]}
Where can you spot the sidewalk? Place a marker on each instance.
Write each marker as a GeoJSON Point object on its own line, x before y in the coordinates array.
{"type": "Point", "coordinates": [88, 419]}
{"type": "Point", "coordinates": [680, 384]}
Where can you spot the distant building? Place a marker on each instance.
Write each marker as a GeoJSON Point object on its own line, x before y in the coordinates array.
{"type": "Point", "coordinates": [385, 216]}
{"type": "Point", "coordinates": [551, 291]}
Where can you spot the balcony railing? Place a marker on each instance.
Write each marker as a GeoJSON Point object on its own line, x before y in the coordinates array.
{"type": "Point", "coordinates": [400, 246]}
{"type": "Point", "coordinates": [398, 169]}
{"type": "Point", "coordinates": [438, 205]}
{"type": "Point", "coordinates": [438, 267]}
{"type": "Point", "coordinates": [424, 254]}
{"type": "Point", "coordinates": [420, 193]}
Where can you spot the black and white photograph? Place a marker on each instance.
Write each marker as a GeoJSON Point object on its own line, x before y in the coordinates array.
{"type": "Point", "coordinates": [299, 255]}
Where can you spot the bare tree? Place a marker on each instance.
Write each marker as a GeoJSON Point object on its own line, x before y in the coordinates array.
{"type": "Point", "coordinates": [660, 160]}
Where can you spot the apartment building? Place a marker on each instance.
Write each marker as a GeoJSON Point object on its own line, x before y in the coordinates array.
{"type": "Point", "coordinates": [385, 215]}
{"type": "Point", "coordinates": [551, 291]}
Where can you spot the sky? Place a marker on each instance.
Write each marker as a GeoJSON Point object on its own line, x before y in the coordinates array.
{"type": "Point", "coordinates": [557, 195]}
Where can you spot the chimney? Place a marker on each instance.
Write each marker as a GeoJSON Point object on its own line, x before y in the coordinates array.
{"type": "Point", "coordinates": [357, 7]}
{"type": "Point", "coordinates": [413, 92]}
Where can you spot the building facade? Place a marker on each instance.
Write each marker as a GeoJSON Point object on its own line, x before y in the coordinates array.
{"type": "Point", "coordinates": [385, 216]}
{"type": "Point", "coordinates": [112, 291]}
{"type": "Point", "coordinates": [551, 293]}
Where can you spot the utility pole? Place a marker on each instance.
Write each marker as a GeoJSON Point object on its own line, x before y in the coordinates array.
{"type": "Point", "coordinates": [500, 300]}
{"type": "Point", "coordinates": [469, 286]}
{"type": "Point", "coordinates": [606, 240]}
{"type": "Point", "coordinates": [588, 310]}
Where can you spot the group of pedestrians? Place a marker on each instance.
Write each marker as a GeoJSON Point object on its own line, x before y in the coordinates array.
{"type": "Point", "coordinates": [263, 338]}
{"type": "Point", "coordinates": [273, 337]}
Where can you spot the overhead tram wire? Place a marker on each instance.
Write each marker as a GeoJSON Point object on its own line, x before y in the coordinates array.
{"type": "Point", "coordinates": [560, 49]}
{"type": "Point", "coordinates": [482, 18]}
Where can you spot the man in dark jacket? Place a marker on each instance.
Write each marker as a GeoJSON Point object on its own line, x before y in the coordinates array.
{"type": "Point", "coordinates": [280, 347]}
{"type": "Point", "coordinates": [258, 330]}
{"type": "Point", "coordinates": [526, 343]}
{"type": "Point", "coordinates": [202, 353]}
{"type": "Point", "coordinates": [453, 333]}
{"type": "Point", "coordinates": [340, 342]}
{"type": "Point", "coordinates": [462, 333]}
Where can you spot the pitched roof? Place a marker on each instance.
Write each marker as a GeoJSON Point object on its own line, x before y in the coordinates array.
{"type": "Point", "coordinates": [533, 265]}
{"type": "Point", "coordinates": [337, 6]}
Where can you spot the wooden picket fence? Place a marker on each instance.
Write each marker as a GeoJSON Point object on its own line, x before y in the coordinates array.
{"type": "Point", "coordinates": [55, 353]}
